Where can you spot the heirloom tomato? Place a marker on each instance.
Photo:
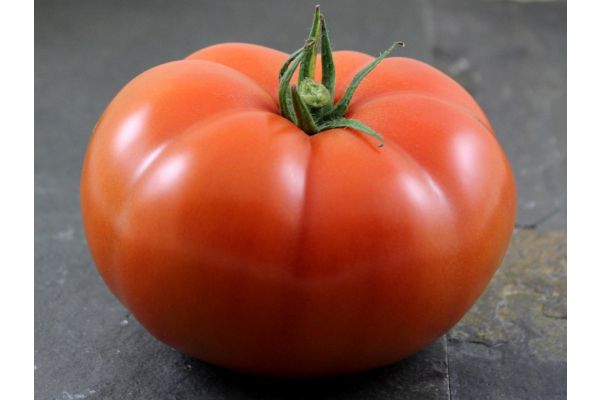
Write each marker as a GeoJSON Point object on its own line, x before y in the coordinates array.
{"type": "Point", "coordinates": [300, 215]}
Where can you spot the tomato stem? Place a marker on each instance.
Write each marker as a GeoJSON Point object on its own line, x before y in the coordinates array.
{"type": "Point", "coordinates": [314, 94]}
{"type": "Point", "coordinates": [310, 105]}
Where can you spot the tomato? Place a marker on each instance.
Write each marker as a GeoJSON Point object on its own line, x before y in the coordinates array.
{"type": "Point", "coordinates": [236, 237]}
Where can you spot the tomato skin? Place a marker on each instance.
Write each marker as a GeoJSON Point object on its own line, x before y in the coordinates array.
{"type": "Point", "coordinates": [235, 237]}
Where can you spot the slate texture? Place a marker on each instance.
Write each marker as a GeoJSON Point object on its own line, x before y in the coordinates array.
{"type": "Point", "coordinates": [512, 344]}
{"type": "Point", "coordinates": [511, 55]}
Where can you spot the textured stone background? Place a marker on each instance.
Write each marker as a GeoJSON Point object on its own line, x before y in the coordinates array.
{"type": "Point", "coordinates": [511, 55]}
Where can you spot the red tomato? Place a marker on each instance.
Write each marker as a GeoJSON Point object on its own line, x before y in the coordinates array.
{"type": "Point", "coordinates": [237, 238]}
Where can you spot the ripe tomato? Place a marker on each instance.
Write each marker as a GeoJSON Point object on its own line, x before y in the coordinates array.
{"type": "Point", "coordinates": [235, 237]}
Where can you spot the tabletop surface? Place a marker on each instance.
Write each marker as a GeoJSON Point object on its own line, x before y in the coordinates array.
{"type": "Point", "coordinates": [510, 55]}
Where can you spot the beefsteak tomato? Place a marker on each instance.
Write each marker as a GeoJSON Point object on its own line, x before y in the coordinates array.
{"type": "Point", "coordinates": [261, 228]}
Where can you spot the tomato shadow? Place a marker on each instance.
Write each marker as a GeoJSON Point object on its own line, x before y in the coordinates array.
{"type": "Point", "coordinates": [424, 375]}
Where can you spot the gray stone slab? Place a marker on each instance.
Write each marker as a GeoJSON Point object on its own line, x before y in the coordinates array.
{"type": "Point", "coordinates": [512, 57]}
{"type": "Point", "coordinates": [513, 342]}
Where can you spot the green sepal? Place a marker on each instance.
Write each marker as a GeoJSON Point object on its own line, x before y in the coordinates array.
{"type": "Point", "coordinates": [351, 123]}
{"type": "Point", "coordinates": [287, 62]}
{"type": "Point", "coordinates": [306, 122]}
{"type": "Point", "coordinates": [285, 103]}
{"type": "Point", "coordinates": [342, 106]}
{"type": "Point", "coordinates": [307, 69]}
{"type": "Point", "coordinates": [327, 64]}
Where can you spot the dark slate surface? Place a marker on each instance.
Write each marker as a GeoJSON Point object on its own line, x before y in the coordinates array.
{"type": "Point", "coordinates": [513, 342]}
{"type": "Point", "coordinates": [510, 55]}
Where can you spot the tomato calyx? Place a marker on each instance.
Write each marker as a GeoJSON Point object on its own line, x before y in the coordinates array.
{"type": "Point", "coordinates": [310, 105]}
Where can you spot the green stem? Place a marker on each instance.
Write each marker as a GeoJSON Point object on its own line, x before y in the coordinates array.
{"type": "Point", "coordinates": [310, 105]}
{"type": "Point", "coordinates": [313, 94]}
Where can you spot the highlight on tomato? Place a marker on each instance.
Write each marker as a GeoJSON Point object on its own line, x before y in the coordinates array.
{"type": "Point", "coordinates": [296, 215]}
